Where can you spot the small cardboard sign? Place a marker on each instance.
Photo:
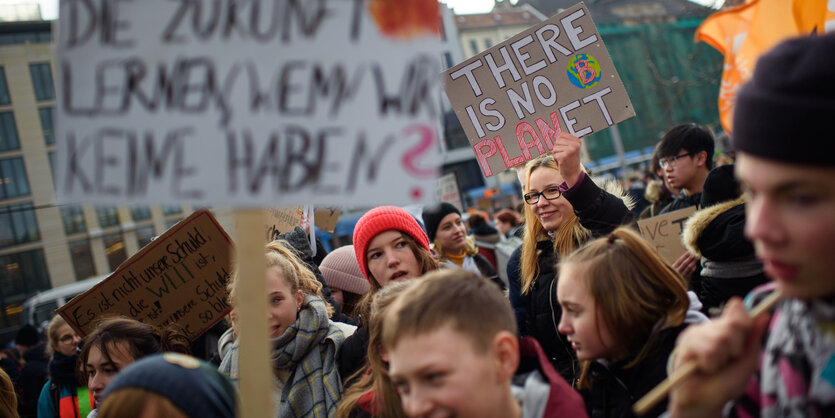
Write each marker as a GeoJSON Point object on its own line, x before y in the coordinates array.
{"type": "Point", "coordinates": [283, 220]}
{"type": "Point", "coordinates": [179, 278]}
{"type": "Point", "coordinates": [663, 233]}
{"type": "Point", "coordinates": [447, 191]}
{"type": "Point", "coordinates": [515, 98]}
{"type": "Point", "coordinates": [326, 218]}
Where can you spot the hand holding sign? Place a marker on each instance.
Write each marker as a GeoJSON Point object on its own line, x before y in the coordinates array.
{"type": "Point", "coordinates": [567, 154]}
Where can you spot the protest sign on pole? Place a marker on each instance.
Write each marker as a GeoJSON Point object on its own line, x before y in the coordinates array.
{"type": "Point", "coordinates": [179, 278]}
{"type": "Point", "coordinates": [447, 191]}
{"type": "Point", "coordinates": [663, 233]}
{"type": "Point", "coordinates": [326, 217]}
{"type": "Point", "coordinates": [282, 220]}
{"type": "Point", "coordinates": [516, 97]}
{"type": "Point", "coordinates": [255, 103]}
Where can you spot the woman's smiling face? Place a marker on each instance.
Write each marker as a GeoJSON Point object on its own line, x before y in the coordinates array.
{"type": "Point", "coordinates": [284, 304]}
{"type": "Point", "coordinates": [550, 213]}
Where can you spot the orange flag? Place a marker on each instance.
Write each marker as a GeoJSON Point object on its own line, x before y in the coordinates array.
{"type": "Point", "coordinates": [815, 16]}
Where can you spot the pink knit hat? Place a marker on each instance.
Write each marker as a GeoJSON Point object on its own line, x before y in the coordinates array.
{"type": "Point", "coordinates": [341, 271]}
{"type": "Point", "coordinates": [381, 219]}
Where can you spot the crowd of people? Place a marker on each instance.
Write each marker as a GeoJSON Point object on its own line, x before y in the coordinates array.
{"type": "Point", "coordinates": [413, 319]}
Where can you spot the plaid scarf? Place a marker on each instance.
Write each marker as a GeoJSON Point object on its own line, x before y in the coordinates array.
{"type": "Point", "coordinates": [308, 350]}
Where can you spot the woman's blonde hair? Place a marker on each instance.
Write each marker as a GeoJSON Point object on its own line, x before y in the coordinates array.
{"type": "Point", "coordinates": [295, 272]}
{"type": "Point", "coordinates": [470, 248]}
{"type": "Point", "coordinates": [373, 376]}
{"type": "Point", "coordinates": [136, 402]}
{"type": "Point", "coordinates": [8, 396]}
{"type": "Point", "coordinates": [52, 333]}
{"type": "Point", "coordinates": [566, 238]}
{"type": "Point", "coordinates": [636, 293]}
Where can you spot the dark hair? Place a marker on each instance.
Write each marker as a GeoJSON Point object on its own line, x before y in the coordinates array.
{"type": "Point", "coordinates": [690, 137]}
{"type": "Point", "coordinates": [508, 216]}
{"type": "Point", "coordinates": [476, 220]}
{"type": "Point", "coordinates": [141, 339]}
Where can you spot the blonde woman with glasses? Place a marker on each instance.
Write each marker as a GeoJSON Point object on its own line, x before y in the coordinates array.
{"type": "Point", "coordinates": [564, 209]}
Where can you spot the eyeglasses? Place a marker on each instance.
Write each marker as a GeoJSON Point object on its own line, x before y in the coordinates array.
{"type": "Point", "coordinates": [68, 339]}
{"type": "Point", "coordinates": [664, 162]}
{"type": "Point", "coordinates": [550, 193]}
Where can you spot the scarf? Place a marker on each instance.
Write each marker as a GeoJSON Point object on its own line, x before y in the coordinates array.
{"type": "Point", "coordinates": [308, 349]}
{"type": "Point", "coordinates": [797, 363]}
{"type": "Point", "coordinates": [62, 369]}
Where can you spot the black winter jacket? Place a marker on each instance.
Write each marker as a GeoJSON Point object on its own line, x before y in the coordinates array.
{"type": "Point", "coordinates": [600, 212]}
{"type": "Point", "coordinates": [613, 389]}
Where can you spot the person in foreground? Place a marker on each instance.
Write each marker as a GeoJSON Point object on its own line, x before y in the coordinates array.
{"type": "Point", "coordinates": [783, 365]}
{"type": "Point", "coordinates": [453, 351]}
{"type": "Point", "coordinates": [623, 307]}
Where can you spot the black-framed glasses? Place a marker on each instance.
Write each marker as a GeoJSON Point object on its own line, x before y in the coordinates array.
{"type": "Point", "coordinates": [68, 339]}
{"type": "Point", "coordinates": [671, 161]}
{"type": "Point", "coordinates": [550, 193]}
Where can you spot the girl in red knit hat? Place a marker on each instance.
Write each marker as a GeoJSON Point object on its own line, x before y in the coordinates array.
{"type": "Point", "coordinates": [390, 246]}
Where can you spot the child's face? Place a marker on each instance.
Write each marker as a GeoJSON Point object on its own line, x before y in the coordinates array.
{"type": "Point", "coordinates": [440, 374]}
{"type": "Point", "coordinates": [390, 258]}
{"type": "Point", "coordinates": [790, 217]}
{"type": "Point", "coordinates": [100, 371]}
{"type": "Point", "coordinates": [589, 335]}
{"type": "Point", "coordinates": [283, 307]}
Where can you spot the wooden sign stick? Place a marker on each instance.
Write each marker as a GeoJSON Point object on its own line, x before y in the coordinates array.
{"type": "Point", "coordinates": [660, 392]}
{"type": "Point", "coordinates": [254, 369]}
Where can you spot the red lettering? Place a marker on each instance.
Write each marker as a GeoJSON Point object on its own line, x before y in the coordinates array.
{"type": "Point", "coordinates": [508, 162]}
{"type": "Point", "coordinates": [482, 156]}
{"type": "Point", "coordinates": [521, 129]}
{"type": "Point", "coordinates": [427, 139]}
{"type": "Point", "coordinates": [547, 132]}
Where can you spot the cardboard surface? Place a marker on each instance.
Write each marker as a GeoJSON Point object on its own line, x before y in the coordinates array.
{"type": "Point", "coordinates": [247, 103]}
{"type": "Point", "coordinates": [447, 191]}
{"type": "Point", "coordinates": [663, 232]}
{"type": "Point", "coordinates": [514, 98]}
{"type": "Point", "coordinates": [282, 220]}
{"type": "Point", "coordinates": [326, 217]}
{"type": "Point", "coordinates": [180, 278]}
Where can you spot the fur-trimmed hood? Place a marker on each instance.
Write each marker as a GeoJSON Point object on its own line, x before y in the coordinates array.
{"type": "Point", "coordinates": [614, 187]}
{"type": "Point", "coordinates": [717, 232]}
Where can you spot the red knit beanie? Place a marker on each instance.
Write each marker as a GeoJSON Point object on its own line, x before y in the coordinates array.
{"type": "Point", "coordinates": [382, 219]}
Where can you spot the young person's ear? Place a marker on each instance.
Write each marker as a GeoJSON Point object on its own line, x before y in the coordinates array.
{"type": "Point", "coordinates": [701, 158]}
{"type": "Point", "coordinates": [506, 351]}
{"type": "Point", "coordinates": [299, 300]}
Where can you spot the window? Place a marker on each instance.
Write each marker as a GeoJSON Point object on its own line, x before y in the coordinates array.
{"type": "Point", "coordinates": [18, 225]}
{"type": "Point", "coordinates": [82, 259]}
{"type": "Point", "coordinates": [172, 222]}
{"type": "Point", "coordinates": [8, 132]}
{"type": "Point", "coordinates": [5, 98]}
{"type": "Point", "coordinates": [474, 46]}
{"type": "Point", "coordinates": [448, 59]}
{"type": "Point", "coordinates": [13, 180]}
{"type": "Point", "coordinates": [488, 43]}
{"type": "Point", "coordinates": [140, 213]}
{"type": "Point", "coordinates": [73, 217]}
{"type": "Point", "coordinates": [42, 81]}
{"type": "Point", "coordinates": [145, 234]}
{"type": "Point", "coordinates": [114, 249]}
{"type": "Point", "coordinates": [108, 216]}
{"type": "Point", "coordinates": [46, 124]}
{"type": "Point", "coordinates": [171, 210]}
{"type": "Point", "coordinates": [22, 274]}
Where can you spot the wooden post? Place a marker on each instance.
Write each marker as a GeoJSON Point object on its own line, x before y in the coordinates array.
{"type": "Point", "coordinates": [254, 368]}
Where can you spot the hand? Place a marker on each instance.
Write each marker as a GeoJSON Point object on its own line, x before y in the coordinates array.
{"type": "Point", "coordinates": [567, 154]}
{"type": "Point", "coordinates": [686, 265]}
{"type": "Point", "coordinates": [727, 353]}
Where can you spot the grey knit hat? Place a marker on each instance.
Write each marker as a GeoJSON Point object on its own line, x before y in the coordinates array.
{"type": "Point", "coordinates": [341, 271]}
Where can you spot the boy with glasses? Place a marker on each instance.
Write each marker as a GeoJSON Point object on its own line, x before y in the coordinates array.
{"type": "Point", "coordinates": [685, 155]}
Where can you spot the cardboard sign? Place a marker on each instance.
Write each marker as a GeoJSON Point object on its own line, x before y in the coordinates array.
{"type": "Point", "coordinates": [326, 218]}
{"type": "Point", "coordinates": [283, 220]}
{"type": "Point", "coordinates": [180, 278]}
{"type": "Point", "coordinates": [663, 232]}
{"type": "Point", "coordinates": [252, 103]}
{"type": "Point", "coordinates": [516, 97]}
{"type": "Point", "coordinates": [447, 191]}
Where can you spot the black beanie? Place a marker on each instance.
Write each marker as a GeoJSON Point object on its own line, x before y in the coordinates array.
{"type": "Point", "coordinates": [720, 186]}
{"type": "Point", "coordinates": [27, 336]}
{"type": "Point", "coordinates": [784, 112]}
{"type": "Point", "coordinates": [432, 216]}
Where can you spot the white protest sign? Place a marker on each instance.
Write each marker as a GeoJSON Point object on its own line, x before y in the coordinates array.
{"type": "Point", "coordinates": [249, 103]}
{"type": "Point", "coordinates": [516, 97]}
{"type": "Point", "coordinates": [447, 191]}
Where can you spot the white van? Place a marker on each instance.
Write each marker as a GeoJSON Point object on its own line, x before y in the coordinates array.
{"type": "Point", "coordinates": [39, 309]}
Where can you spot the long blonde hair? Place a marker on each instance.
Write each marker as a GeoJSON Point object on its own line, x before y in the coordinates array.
{"type": "Point", "coordinates": [470, 248]}
{"type": "Point", "coordinates": [566, 238]}
{"type": "Point", "coordinates": [280, 254]}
